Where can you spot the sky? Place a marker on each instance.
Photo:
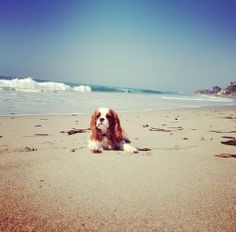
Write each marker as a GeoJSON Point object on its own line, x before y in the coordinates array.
{"type": "Point", "coordinates": [179, 45]}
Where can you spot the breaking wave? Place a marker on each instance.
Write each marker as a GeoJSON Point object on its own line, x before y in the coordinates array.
{"type": "Point", "coordinates": [29, 85]}
{"type": "Point", "coordinates": [35, 85]}
{"type": "Point", "coordinates": [28, 96]}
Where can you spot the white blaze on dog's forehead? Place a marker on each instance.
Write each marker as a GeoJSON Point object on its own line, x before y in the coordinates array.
{"type": "Point", "coordinates": [103, 111]}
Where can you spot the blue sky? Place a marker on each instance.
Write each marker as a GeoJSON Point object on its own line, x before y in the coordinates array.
{"type": "Point", "coordinates": [166, 45]}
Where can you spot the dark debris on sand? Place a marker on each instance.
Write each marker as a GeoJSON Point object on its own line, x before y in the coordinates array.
{"type": "Point", "coordinates": [75, 131]}
{"type": "Point", "coordinates": [170, 129]}
{"type": "Point", "coordinates": [26, 149]}
{"type": "Point", "coordinates": [231, 142]}
{"type": "Point", "coordinates": [225, 155]}
{"type": "Point", "coordinates": [44, 134]}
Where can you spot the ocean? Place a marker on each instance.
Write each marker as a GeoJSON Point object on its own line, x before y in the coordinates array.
{"type": "Point", "coordinates": [26, 96]}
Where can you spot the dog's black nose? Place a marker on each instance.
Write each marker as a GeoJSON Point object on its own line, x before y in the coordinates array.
{"type": "Point", "coordinates": [102, 119]}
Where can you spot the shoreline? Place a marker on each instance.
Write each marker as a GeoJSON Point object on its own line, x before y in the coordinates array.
{"type": "Point", "coordinates": [226, 107]}
{"type": "Point", "coordinates": [23, 103]}
{"type": "Point", "coordinates": [216, 95]}
{"type": "Point", "coordinates": [51, 182]}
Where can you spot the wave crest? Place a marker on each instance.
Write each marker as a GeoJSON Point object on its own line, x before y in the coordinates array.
{"type": "Point", "coordinates": [29, 85]}
{"type": "Point", "coordinates": [82, 88]}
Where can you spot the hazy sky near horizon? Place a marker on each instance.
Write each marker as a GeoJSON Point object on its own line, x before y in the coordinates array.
{"type": "Point", "coordinates": [179, 45]}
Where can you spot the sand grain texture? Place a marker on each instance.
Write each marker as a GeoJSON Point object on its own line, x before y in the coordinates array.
{"type": "Point", "coordinates": [53, 183]}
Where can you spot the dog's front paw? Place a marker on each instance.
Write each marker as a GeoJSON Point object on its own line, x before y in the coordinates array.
{"type": "Point", "coordinates": [133, 150]}
{"type": "Point", "coordinates": [96, 150]}
{"type": "Point", "coordinates": [94, 147]}
{"type": "Point", "coordinates": [128, 148]}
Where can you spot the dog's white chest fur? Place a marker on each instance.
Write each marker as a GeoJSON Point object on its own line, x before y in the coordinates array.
{"type": "Point", "coordinates": [95, 145]}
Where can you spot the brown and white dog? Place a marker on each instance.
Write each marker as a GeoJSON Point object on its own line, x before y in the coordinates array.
{"type": "Point", "coordinates": [106, 133]}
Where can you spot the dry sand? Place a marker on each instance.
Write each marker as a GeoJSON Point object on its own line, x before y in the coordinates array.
{"type": "Point", "coordinates": [49, 181]}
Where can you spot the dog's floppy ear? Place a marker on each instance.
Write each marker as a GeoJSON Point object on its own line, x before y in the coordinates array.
{"type": "Point", "coordinates": [117, 128]}
{"type": "Point", "coordinates": [93, 121]}
{"type": "Point", "coordinates": [95, 133]}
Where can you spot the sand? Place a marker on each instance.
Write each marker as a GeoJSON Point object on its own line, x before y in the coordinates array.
{"type": "Point", "coordinates": [49, 181]}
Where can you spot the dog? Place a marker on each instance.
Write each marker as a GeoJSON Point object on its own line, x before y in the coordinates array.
{"type": "Point", "coordinates": [106, 133]}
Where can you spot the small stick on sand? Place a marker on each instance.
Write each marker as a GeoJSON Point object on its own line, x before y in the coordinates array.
{"type": "Point", "coordinates": [225, 155]}
{"type": "Point", "coordinates": [229, 142]}
{"type": "Point", "coordinates": [41, 134]}
{"type": "Point", "coordinates": [144, 149]}
{"type": "Point", "coordinates": [159, 129]}
{"type": "Point", "coordinates": [222, 131]}
{"type": "Point", "coordinates": [75, 131]}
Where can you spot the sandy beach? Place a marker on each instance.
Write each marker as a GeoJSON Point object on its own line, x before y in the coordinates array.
{"type": "Point", "coordinates": [49, 181]}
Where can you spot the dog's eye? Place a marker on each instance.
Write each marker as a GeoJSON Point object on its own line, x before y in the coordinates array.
{"type": "Point", "coordinates": [108, 116]}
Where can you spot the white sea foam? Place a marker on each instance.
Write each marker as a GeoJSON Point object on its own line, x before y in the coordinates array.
{"type": "Point", "coordinates": [82, 88]}
{"type": "Point", "coordinates": [198, 98]}
{"type": "Point", "coordinates": [29, 85]}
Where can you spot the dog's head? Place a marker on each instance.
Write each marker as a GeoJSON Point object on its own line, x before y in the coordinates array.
{"type": "Point", "coordinates": [105, 122]}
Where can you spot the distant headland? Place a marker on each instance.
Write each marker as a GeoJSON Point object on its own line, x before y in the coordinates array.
{"type": "Point", "coordinates": [229, 91]}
